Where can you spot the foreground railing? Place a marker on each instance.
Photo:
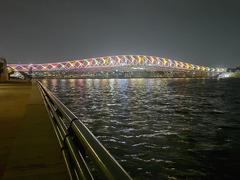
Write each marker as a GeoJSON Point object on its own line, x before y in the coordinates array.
{"type": "Point", "coordinates": [78, 145]}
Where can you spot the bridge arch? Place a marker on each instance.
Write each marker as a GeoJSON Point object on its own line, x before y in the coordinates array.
{"type": "Point", "coordinates": [113, 62]}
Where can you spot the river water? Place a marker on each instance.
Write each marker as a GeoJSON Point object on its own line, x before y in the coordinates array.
{"type": "Point", "coordinates": [161, 128]}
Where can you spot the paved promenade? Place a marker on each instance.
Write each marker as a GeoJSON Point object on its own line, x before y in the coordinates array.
{"type": "Point", "coordinates": [28, 145]}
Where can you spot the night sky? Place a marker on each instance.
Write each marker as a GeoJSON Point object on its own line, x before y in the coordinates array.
{"type": "Point", "coordinates": [204, 32]}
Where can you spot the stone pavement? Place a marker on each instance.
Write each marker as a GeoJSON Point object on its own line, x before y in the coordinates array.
{"type": "Point", "coordinates": [28, 146]}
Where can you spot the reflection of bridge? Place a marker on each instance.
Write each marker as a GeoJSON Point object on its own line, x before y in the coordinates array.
{"type": "Point", "coordinates": [117, 66]}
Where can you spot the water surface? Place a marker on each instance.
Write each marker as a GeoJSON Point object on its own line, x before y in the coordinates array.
{"type": "Point", "coordinates": [161, 128]}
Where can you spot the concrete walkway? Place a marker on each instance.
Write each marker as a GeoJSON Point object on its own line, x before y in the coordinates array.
{"type": "Point", "coordinates": [28, 145]}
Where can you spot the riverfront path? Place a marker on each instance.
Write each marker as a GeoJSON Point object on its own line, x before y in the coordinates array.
{"type": "Point", "coordinates": [28, 146]}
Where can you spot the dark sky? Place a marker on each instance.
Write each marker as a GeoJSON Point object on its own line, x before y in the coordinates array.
{"type": "Point", "coordinates": [205, 32]}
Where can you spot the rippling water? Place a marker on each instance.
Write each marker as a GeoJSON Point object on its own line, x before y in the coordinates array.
{"type": "Point", "coordinates": [161, 128]}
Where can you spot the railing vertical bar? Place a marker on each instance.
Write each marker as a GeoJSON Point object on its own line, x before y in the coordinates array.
{"type": "Point", "coordinates": [68, 127]}
{"type": "Point", "coordinates": [68, 165]}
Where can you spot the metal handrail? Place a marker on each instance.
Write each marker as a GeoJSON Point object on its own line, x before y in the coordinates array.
{"type": "Point", "coordinates": [77, 141]}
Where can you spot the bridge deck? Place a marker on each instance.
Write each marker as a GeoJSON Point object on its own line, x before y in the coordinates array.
{"type": "Point", "coordinates": [28, 145]}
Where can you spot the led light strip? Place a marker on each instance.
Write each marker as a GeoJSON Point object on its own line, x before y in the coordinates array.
{"type": "Point", "coordinates": [113, 61]}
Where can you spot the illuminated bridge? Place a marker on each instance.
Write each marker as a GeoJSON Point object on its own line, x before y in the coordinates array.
{"type": "Point", "coordinates": [117, 66]}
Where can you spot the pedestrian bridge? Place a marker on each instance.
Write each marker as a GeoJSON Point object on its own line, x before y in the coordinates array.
{"type": "Point", "coordinates": [114, 64]}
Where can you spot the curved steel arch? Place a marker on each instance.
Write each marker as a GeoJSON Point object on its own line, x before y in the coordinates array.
{"type": "Point", "coordinates": [112, 61]}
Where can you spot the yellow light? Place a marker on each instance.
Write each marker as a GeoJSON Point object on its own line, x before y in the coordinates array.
{"type": "Point", "coordinates": [104, 60]}
{"type": "Point", "coordinates": [140, 59]}
{"type": "Point", "coordinates": [164, 61]}
{"type": "Point", "coordinates": [192, 66]}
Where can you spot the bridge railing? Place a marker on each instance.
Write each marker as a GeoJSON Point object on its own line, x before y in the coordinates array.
{"type": "Point", "coordinates": [80, 148]}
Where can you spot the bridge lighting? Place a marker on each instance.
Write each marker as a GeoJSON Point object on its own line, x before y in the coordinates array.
{"type": "Point", "coordinates": [169, 62]}
{"type": "Point", "coordinates": [80, 64]}
{"type": "Point", "coordinates": [125, 60]}
{"type": "Point", "coordinates": [118, 60]}
{"type": "Point", "coordinates": [140, 59]}
{"type": "Point", "coordinates": [104, 61]}
{"type": "Point", "coordinates": [223, 69]}
{"type": "Point", "coordinates": [176, 63]}
{"type": "Point", "coordinates": [131, 60]}
{"type": "Point", "coordinates": [181, 64]}
{"type": "Point", "coordinates": [152, 60]}
{"type": "Point", "coordinates": [192, 66]}
{"type": "Point", "coordinates": [95, 61]}
{"type": "Point", "coordinates": [138, 68]}
{"type": "Point", "coordinates": [122, 60]}
{"type": "Point", "coordinates": [164, 61]}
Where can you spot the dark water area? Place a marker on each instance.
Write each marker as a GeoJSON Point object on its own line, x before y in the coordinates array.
{"type": "Point", "coordinates": [161, 128]}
